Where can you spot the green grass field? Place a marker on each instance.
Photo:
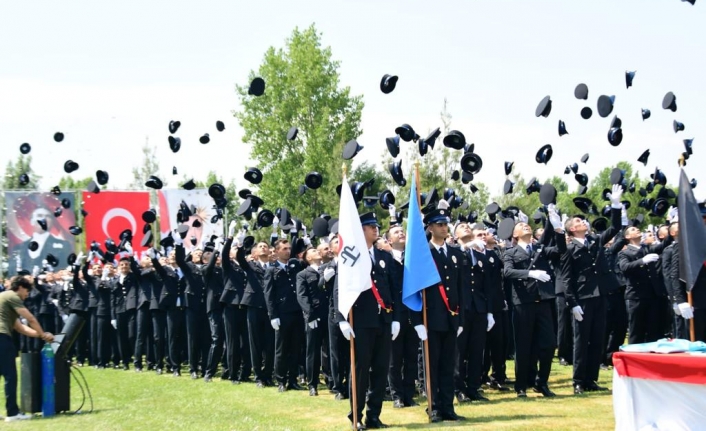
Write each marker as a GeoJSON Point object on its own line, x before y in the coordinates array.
{"type": "Point", "coordinates": [125, 400]}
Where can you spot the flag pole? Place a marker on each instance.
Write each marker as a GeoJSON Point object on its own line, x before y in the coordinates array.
{"type": "Point", "coordinates": [427, 373]}
{"type": "Point", "coordinates": [352, 383]}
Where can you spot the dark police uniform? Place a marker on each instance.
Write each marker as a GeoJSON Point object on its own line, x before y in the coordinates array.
{"type": "Point", "coordinates": [213, 282]}
{"type": "Point", "coordinates": [339, 346]}
{"type": "Point", "coordinates": [172, 299]}
{"type": "Point", "coordinates": [123, 311]}
{"type": "Point", "coordinates": [313, 299]}
{"type": "Point", "coordinates": [235, 317]}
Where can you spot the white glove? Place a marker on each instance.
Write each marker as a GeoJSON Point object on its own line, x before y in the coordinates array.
{"type": "Point", "coordinates": [303, 229]}
{"type": "Point", "coordinates": [106, 273]}
{"type": "Point", "coordinates": [578, 313]}
{"type": "Point", "coordinates": [80, 259]}
{"type": "Point", "coordinates": [540, 275]}
{"type": "Point", "coordinates": [460, 330]}
{"type": "Point", "coordinates": [505, 308]}
{"type": "Point", "coordinates": [673, 214]}
{"type": "Point", "coordinates": [615, 195]}
{"type": "Point", "coordinates": [346, 330]}
{"type": "Point", "coordinates": [275, 324]}
{"type": "Point", "coordinates": [178, 240]}
{"type": "Point", "coordinates": [421, 332]}
{"type": "Point", "coordinates": [241, 237]}
{"type": "Point", "coordinates": [650, 257]}
{"type": "Point", "coordinates": [313, 324]}
{"type": "Point", "coordinates": [329, 273]}
{"type": "Point", "coordinates": [442, 205]}
{"type": "Point", "coordinates": [393, 211]}
{"type": "Point", "coordinates": [686, 311]}
{"type": "Point", "coordinates": [395, 330]}
{"type": "Point", "coordinates": [231, 228]}
{"type": "Point", "coordinates": [477, 243]}
{"type": "Point", "coordinates": [114, 324]}
{"type": "Point", "coordinates": [555, 219]}
{"type": "Point", "coordinates": [675, 308]}
{"type": "Point", "coordinates": [307, 240]}
{"type": "Point", "coordinates": [491, 322]}
{"type": "Point", "coordinates": [128, 247]}
{"type": "Point", "coordinates": [55, 302]}
{"type": "Point", "coordinates": [64, 317]}
{"type": "Point", "coordinates": [522, 217]}
{"type": "Point", "coordinates": [35, 271]}
{"type": "Point", "coordinates": [275, 223]}
{"type": "Point", "coordinates": [150, 253]}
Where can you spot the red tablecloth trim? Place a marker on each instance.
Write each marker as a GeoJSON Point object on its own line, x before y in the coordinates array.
{"type": "Point", "coordinates": [673, 367]}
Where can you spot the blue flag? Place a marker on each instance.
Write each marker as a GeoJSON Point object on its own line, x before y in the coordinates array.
{"type": "Point", "coordinates": [419, 268]}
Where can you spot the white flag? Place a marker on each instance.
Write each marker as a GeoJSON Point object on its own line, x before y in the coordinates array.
{"type": "Point", "coordinates": [354, 262]}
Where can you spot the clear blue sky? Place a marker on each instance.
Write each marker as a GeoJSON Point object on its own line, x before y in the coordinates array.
{"type": "Point", "coordinates": [111, 74]}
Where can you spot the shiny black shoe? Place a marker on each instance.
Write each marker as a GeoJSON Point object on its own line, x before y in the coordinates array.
{"type": "Point", "coordinates": [544, 390]}
{"type": "Point", "coordinates": [593, 387]}
{"type": "Point", "coordinates": [493, 384]}
{"type": "Point", "coordinates": [605, 367]}
{"type": "Point", "coordinates": [159, 371]}
{"type": "Point", "coordinates": [398, 404]}
{"type": "Point", "coordinates": [411, 403]}
{"type": "Point", "coordinates": [235, 382]}
{"type": "Point", "coordinates": [260, 384]}
{"type": "Point", "coordinates": [578, 390]}
{"type": "Point", "coordinates": [295, 387]}
{"type": "Point", "coordinates": [313, 392]}
{"type": "Point", "coordinates": [340, 397]}
{"type": "Point", "coordinates": [281, 388]}
{"type": "Point", "coordinates": [521, 393]}
{"type": "Point", "coordinates": [452, 417]}
{"type": "Point", "coordinates": [462, 398]}
{"type": "Point", "coordinates": [194, 376]}
{"type": "Point", "coordinates": [176, 374]}
{"type": "Point", "coordinates": [476, 396]}
{"type": "Point", "coordinates": [564, 362]}
{"type": "Point", "coordinates": [207, 379]}
{"type": "Point", "coordinates": [435, 417]}
{"type": "Point", "coordinates": [374, 424]}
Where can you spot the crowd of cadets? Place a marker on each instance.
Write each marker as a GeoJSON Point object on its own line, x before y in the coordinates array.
{"type": "Point", "coordinates": [262, 311]}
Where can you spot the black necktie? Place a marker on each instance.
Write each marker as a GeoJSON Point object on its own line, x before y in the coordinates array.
{"type": "Point", "coordinates": [442, 252]}
{"type": "Point", "coordinates": [529, 249]}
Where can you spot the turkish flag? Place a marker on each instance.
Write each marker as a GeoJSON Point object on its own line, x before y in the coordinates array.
{"type": "Point", "coordinates": [110, 213]}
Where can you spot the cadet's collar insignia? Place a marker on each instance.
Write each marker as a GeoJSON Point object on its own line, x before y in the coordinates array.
{"type": "Point", "coordinates": [491, 260]}
{"type": "Point", "coordinates": [480, 263]}
{"type": "Point", "coordinates": [291, 265]}
{"type": "Point", "coordinates": [442, 212]}
{"type": "Point", "coordinates": [382, 264]}
{"type": "Point", "coordinates": [453, 258]}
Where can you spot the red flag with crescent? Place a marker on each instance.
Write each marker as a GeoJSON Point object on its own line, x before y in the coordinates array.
{"type": "Point", "coordinates": [111, 212]}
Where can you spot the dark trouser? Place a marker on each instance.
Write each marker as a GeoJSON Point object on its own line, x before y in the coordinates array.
{"type": "Point", "coordinates": [616, 324]}
{"type": "Point", "coordinates": [681, 327]}
{"type": "Point", "coordinates": [403, 364]}
{"type": "Point", "coordinates": [495, 348]}
{"type": "Point", "coordinates": [144, 333]}
{"type": "Point", "coordinates": [48, 323]}
{"type": "Point", "coordinates": [534, 341]}
{"type": "Point", "coordinates": [340, 358]}
{"type": "Point", "coordinates": [316, 338]}
{"type": "Point", "coordinates": [82, 346]}
{"type": "Point", "coordinates": [159, 329]}
{"type": "Point", "coordinates": [442, 348]}
{"type": "Point", "coordinates": [103, 337]}
{"type": "Point", "coordinates": [262, 343]}
{"type": "Point", "coordinates": [126, 335]}
{"type": "Point", "coordinates": [643, 320]}
{"type": "Point", "coordinates": [175, 320]}
{"type": "Point", "coordinates": [700, 324]}
{"type": "Point", "coordinates": [372, 359]}
{"type": "Point", "coordinates": [565, 329]}
{"type": "Point", "coordinates": [288, 342]}
{"type": "Point", "coordinates": [92, 336]}
{"type": "Point", "coordinates": [469, 359]}
{"type": "Point", "coordinates": [198, 337]}
{"type": "Point", "coordinates": [236, 333]}
{"type": "Point", "coordinates": [588, 341]}
{"type": "Point", "coordinates": [215, 321]}
{"type": "Point", "coordinates": [8, 370]}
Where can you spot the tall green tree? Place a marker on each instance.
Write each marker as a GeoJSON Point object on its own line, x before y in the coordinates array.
{"type": "Point", "coordinates": [302, 90]}
{"type": "Point", "coordinates": [149, 166]}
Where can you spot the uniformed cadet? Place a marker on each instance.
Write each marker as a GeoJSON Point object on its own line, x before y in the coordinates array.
{"type": "Point", "coordinates": [313, 300]}
{"type": "Point", "coordinates": [528, 267]}
{"type": "Point", "coordinates": [638, 264]}
{"type": "Point", "coordinates": [145, 276]}
{"type": "Point", "coordinates": [158, 312]}
{"type": "Point", "coordinates": [285, 314]}
{"type": "Point", "coordinates": [680, 323]}
{"type": "Point", "coordinates": [581, 269]}
{"type": "Point", "coordinates": [123, 307]}
{"type": "Point", "coordinates": [445, 315]}
{"type": "Point", "coordinates": [235, 315]}
{"type": "Point", "coordinates": [197, 330]}
{"type": "Point", "coordinates": [174, 303]}
{"type": "Point", "coordinates": [478, 320]}
{"type": "Point", "coordinates": [213, 283]}
{"type": "Point", "coordinates": [375, 323]}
